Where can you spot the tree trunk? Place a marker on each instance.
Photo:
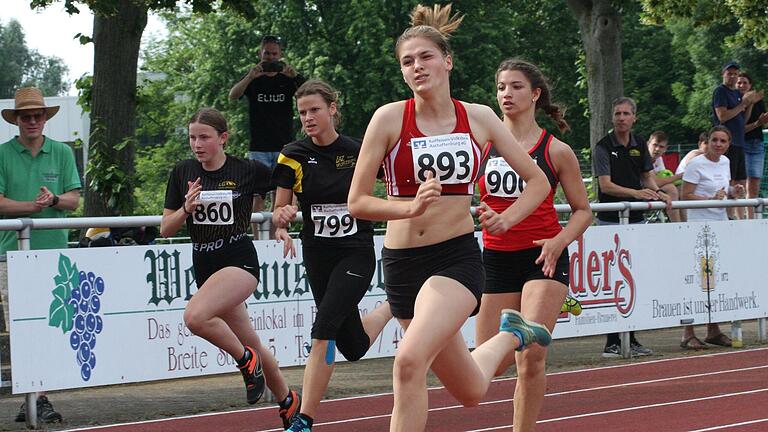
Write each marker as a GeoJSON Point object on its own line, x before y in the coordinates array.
{"type": "Point", "coordinates": [600, 25]}
{"type": "Point", "coordinates": [116, 39]}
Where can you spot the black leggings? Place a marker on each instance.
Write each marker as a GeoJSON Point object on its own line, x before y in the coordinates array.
{"type": "Point", "coordinates": [339, 278]}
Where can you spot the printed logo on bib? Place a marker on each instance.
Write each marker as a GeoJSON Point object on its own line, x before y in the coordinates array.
{"type": "Point", "coordinates": [333, 220]}
{"type": "Point", "coordinates": [449, 157]}
{"type": "Point", "coordinates": [501, 180]}
{"type": "Point", "coordinates": [215, 208]}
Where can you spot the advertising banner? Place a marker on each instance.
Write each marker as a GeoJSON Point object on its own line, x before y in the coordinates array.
{"type": "Point", "coordinates": [99, 316]}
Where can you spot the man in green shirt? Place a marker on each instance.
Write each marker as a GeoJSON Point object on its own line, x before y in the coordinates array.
{"type": "Point", "coordinates": [38, 179]}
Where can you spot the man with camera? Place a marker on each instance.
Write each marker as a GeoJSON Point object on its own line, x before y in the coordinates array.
{"type": "Point", "coordinates": [269, 87]}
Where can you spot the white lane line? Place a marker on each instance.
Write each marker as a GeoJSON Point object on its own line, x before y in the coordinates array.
{"type": "Point", "coordinates": [629, 384]}
{"type": "Point", "coordinates": [731, 425]}
{"type": "Point", "coordinates": [445, 408]}
{"type": "Point", "coordinates": [192, 416]}
{"type": "Point", "coordinates": [635, 408]}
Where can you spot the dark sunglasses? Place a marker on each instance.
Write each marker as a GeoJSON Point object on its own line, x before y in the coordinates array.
{"type": "Point", "coordinates": [26, 118]}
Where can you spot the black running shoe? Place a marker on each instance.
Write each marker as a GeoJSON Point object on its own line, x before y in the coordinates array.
{"type": "Point", "coordinates": [45, 412]}
{"type": "Point", "coordinates": [291, 413]}
{"type": "Point", "coordinates": [253, 377]}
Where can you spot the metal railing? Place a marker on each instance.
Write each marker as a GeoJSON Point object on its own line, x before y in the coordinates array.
{"type": "Point", "coordinates": [23, 227]}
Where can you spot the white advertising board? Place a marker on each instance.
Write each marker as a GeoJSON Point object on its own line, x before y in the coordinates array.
{"type": "Point", "coordinates": [647, 276]}
{"type": "Point", "coordinates": [131, 301]}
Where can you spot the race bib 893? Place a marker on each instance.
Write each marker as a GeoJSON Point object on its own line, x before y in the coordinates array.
{"type": "Point", "coordinates": [449, 157]}
{"type": "Point", "coordinates": [215, 208]}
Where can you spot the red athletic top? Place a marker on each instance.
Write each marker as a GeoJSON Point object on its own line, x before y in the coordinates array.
{"type": "Point", "coordinates": [500, 187]}
{"type": "Point", "coordinates": [454, 158]}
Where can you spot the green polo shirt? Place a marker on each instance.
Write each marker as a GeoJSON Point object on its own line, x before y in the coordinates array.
{"type": "Point", "coordinates": [21, 176]}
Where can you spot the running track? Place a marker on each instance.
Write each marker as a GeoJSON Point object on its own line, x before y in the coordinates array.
{"type": "Point", "coordinates": [725, 391]}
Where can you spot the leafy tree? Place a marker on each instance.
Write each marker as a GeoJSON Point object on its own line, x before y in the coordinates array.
{"type": "Point", "coordinates": [24, 67]}
{"type": "Point", "coordinates": [710, 33]}
{"type": "Point", "coordinates": [600, 30]}
{"type": "Point", "coordinates": [350, 47]}
{"type": "Point", "coordinates": [653, 71]}
{"type": "Point", "coordinates": [117, 29]}
{"type": "Point", "coordinates": [750, 16]}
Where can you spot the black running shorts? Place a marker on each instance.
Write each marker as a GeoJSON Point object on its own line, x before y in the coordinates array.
{"type": "Point", "coordinates": [406, 270]}
{"type": "Point", "coordinates": [240, 254]}
{"type": "Point", "coordinates": [339, 278]}
{"type": "Point", "coordinates": [508, 271]}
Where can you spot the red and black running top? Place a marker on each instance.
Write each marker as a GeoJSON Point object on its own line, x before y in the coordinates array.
{"type": "Point", "coordinates": [454, 158]}
{"type": "Point", "coordinates": [500, 186]}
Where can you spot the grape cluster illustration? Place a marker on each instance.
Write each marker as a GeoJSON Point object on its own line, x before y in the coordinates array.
{"type": "Point", "coordinates": [85, 299]}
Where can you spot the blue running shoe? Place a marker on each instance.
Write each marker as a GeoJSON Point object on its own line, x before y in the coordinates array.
{"type": "Point", "coordinates": [528, 332]}
{"type": "Point", "coordinates": [299, 425]}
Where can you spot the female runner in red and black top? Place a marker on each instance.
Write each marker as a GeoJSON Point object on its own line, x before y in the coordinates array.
{"type": "Point", "coordinates": [527, 266]}
{"type": "Point", "coordinates": [212, 194]}
{"type": "Point", "coordinates": [433, 272]}
{"type": "Point", "coordinates": [337, 248]}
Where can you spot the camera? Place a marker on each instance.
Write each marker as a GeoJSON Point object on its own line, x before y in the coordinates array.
{"type": "Point", "coordinates": [272, 66]}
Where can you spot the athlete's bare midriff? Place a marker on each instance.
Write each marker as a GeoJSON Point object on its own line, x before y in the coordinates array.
{"type": "Point", "coordinates": [445, 219]}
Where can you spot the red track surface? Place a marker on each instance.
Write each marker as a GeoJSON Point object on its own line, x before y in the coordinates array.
{"type": "Point", "coordinates": [717, 392]}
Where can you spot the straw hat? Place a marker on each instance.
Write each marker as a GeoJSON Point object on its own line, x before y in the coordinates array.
{"type": "Point", "coordinates": [28, 98]}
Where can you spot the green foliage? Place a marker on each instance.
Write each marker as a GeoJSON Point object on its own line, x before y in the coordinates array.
{"type": "Point", "coordinates": [349, 44]}
{"type": "Point", "coordinates": [750, 17]}
{"type": "Point", "coordinates": [651, 70]}
{"type": "Point", "coordinates": [105, 174]}
{"type": "Point", "coordinates": [24, 67]}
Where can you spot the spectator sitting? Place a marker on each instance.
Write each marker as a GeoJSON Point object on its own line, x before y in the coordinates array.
{"type": "Point", "coordinates": [684, 162]}
{"type": "Point", "coordinates": [707, 177]}
{"type": "Point", "coordinates": [658, 143]}
{"type": "Point", "coordinates": [703, 137]}
{"type": "Point", "coordinates": [624, 173]}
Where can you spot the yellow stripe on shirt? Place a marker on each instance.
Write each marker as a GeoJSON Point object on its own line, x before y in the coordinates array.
{"type": "Point", "coordinates": [298, 171]}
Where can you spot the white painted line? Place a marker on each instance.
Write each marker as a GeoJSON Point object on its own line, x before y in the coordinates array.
{"type": "Point", "coordinates": [635, 408]}
{"type": "Point", "coordinates": [89, 428]}
{"type": "Point", "coordinates": [731, 425]}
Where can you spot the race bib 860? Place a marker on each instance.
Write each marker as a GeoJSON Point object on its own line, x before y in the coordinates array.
{"type": "Point", "coordinates": [449, 157]}
{"type": "Point", "coordinates": [501, 180]}
{"type": "Point", "coordinates": [215, 208]}
{"type": "Point", "coordinates": [333, 220]}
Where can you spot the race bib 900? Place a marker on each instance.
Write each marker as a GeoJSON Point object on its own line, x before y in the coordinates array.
{"type": "Point", "coordinates": [215, 208]}
{"type": "Point", "coordinates": [501, 180]}
{"type": "Point", "coordinates": [333, 220]}
{"type": "Point", "coordinates": [449, 157]}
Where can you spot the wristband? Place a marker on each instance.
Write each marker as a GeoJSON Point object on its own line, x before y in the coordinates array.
{"type": "Point", "coordinates": [660, 191]}
{"type": "Point", "coordinates": [55, 201]}
{"type": "Point", "coordinates": [185, 210]}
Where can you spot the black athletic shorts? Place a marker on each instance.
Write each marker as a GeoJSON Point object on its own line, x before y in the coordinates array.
{"type": "Point", "coordinates": [738, 163]}
{"type": "Point", "coordinates": [240, 254]}
{"type": "Point", "coordinates": [339, 278]}
{"type": "Point", "coordinates": [406, 270]}
{"type": "Point", "coordinates": [508, 271]}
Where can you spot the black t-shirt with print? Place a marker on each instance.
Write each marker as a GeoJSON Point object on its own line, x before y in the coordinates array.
{"type": "Point", "coordinates": [270, 113]}
{"type": "Point", "coordinates": [320, 176]}
{"type": "Point", "coordinates": [225, 217]}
